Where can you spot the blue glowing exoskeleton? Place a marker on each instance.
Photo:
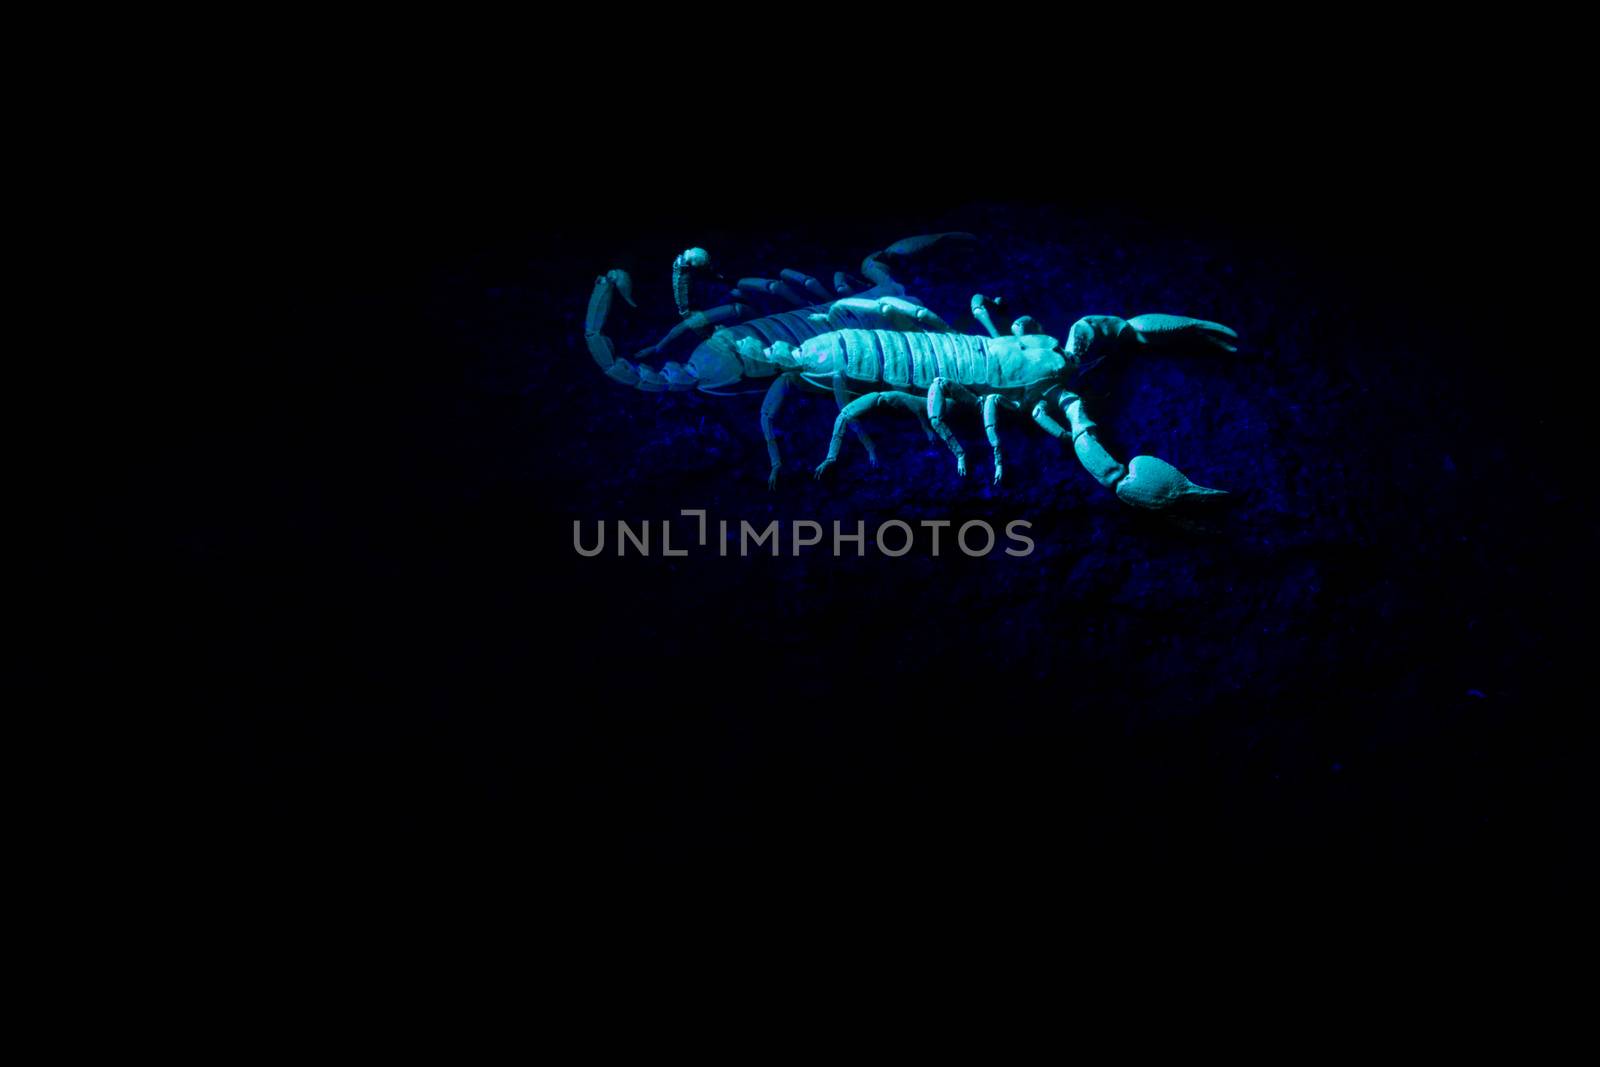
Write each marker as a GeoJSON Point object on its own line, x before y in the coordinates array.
{"type": "Point", "coordinates": [886, 350]}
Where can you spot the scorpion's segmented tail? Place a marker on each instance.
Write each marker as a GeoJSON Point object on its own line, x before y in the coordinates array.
{"type": "Point", "coordinates": [607, 288]}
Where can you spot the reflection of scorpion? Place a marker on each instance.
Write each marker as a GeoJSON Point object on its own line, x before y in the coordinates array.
{"type": "Point", "coordinates": [878, 345]}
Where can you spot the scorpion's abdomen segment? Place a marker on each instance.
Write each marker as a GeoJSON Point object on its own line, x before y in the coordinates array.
{"type": "Point", "coordinates": [792, 327]}
{"type": "Point", "coordinates": [719, 363]}
{"type": "Point", "coordinates": [901, 359]}
{"type": "Point", "coordinates": [715, 362]}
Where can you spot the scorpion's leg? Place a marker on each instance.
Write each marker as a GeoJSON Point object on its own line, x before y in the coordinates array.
{"type": "Point", "coordinates": [858, 407]}
{"type": "Point", "coordinates": [777, 288]}
{"type": "Point", "coordinates": [981, 307]}
{"type": "Point", "coordinates": [876, 266]}
{"type": "Point", "coordinates": [941, 395]}
{"type": "Point", "coordinates": [699, 324]}
{"type": "Point", "coordinates": [991, 404]}
{"type": "Point", "coordinates": [808, 283]}
{"type": "Point", "coordinates": [1146, 482]}
{"type": "Point", "coordinates": [846, 285]}
{"type": "Point", "coordinates": [980, 310]}
{"type": "Point", "coordinates": [899, 313]}
{"type": "Point", "coordinates": [839, 395]}
{"type": "Point", "coordinates": [769, 411]}
{"type": "Point", "coordinates": [908, 316]}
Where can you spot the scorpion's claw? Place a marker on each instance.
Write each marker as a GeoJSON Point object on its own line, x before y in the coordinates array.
{"type": "Point", "coordinates": [877, 272]}
{"type": "Point", "coordinates": [772, 479]}
{"type": "Point", "coordinates": [822, 468]}
{"type": "Point", "coordinates": [1151, 328]}
{"type": "Point", "coordinates": [908, 246]}
{"type": "Point", "coordinates": [961, 466]}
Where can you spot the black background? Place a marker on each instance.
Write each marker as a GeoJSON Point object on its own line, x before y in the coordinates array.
{"type": "Point", "coordinates": [380, 673]}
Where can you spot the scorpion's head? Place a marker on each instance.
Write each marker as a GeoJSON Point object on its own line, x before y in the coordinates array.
{"type": "Point", "coordinates": [1032, 361]}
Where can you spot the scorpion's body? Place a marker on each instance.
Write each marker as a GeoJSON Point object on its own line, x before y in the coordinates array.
{"type": "Point", "coordinates": [733, 341]}
{"type": "Point", "coordinates": [875, 358]}
{"type": "Point", "coordinates": [879, 346]}
{"type": "Point", "coordinates": [714, 364]}
{"type": "Point", "coordinates": [728, 356]}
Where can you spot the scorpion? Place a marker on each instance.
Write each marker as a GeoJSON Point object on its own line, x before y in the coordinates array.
{"type": "Point", "coordinates": [717, 363]}
{"type": "Point", "coordinates": [879, 345]}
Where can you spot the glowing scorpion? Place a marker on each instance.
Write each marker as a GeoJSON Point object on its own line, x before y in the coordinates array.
{"type": "Point", "coordinates": [886, 349]}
